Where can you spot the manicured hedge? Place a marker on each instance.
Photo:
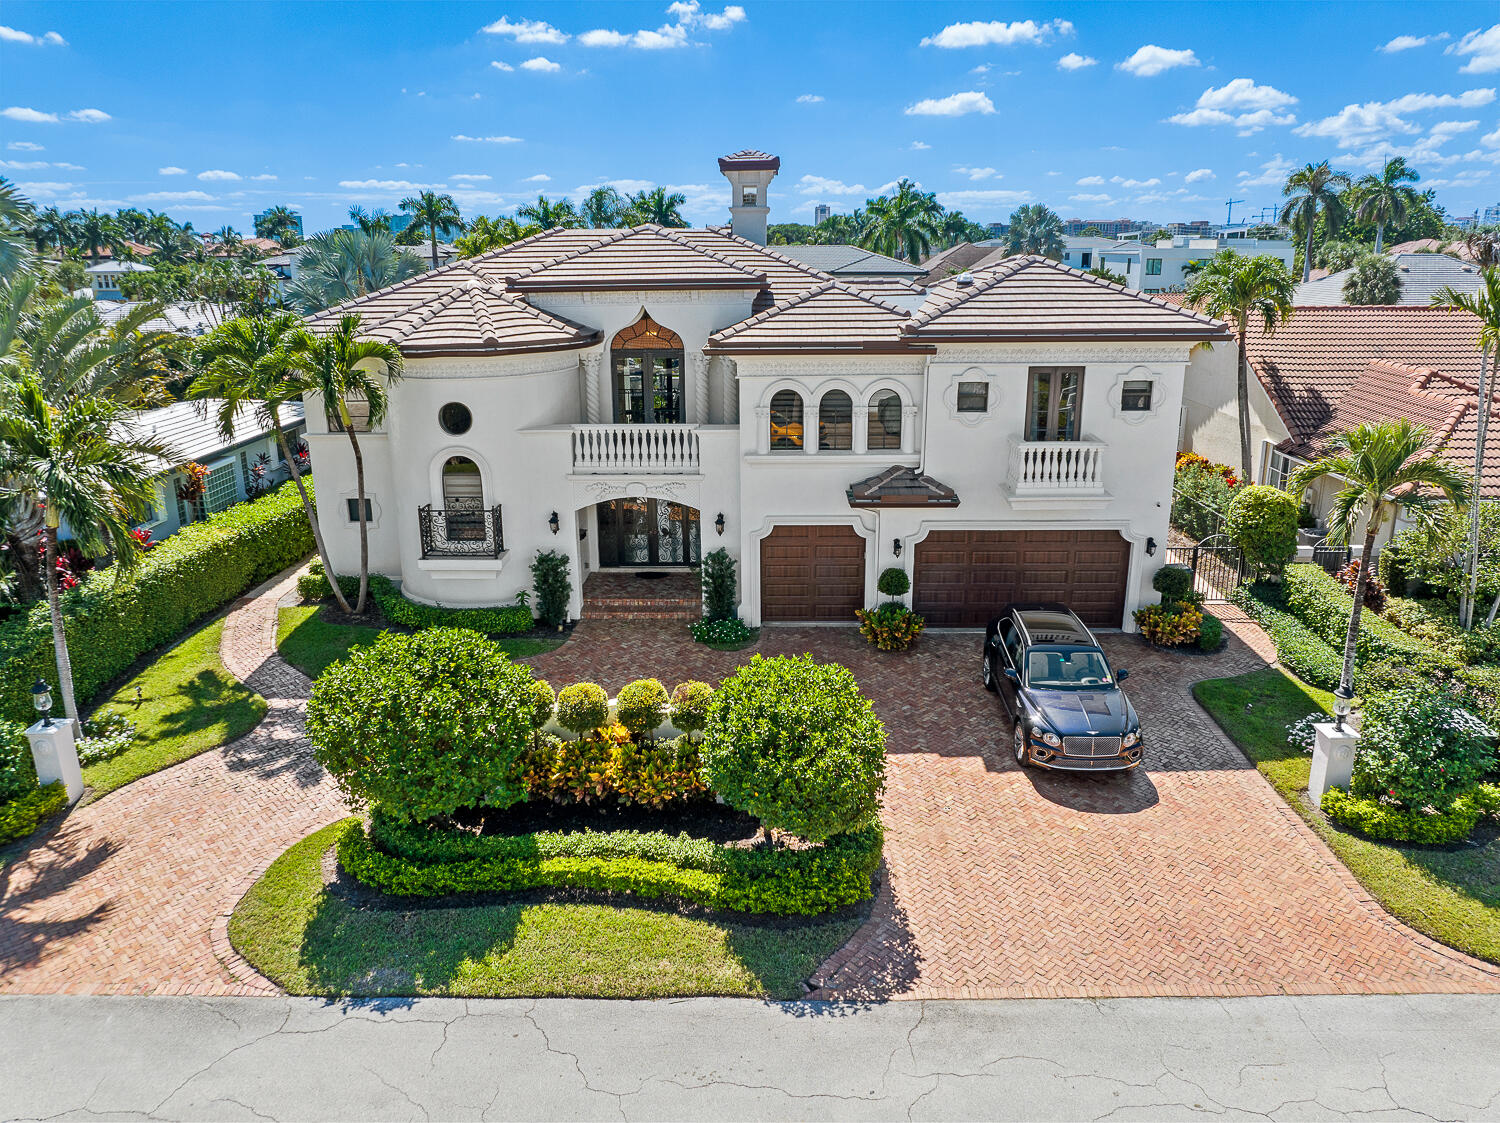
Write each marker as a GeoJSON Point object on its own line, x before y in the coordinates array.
{"type": "Point", "coordinates": [759, 880]}
{"type": "Point", "coordinates": [1297, 648]}
{"type": "Point", "coordinates": [1378, 820]}
{"type": "Point", "coordinates": [111, 622]}
{"type": "Point", "coordinates": [507, 621]}
{"type": "Point", "coordinates": [1322, 604]}
{"type": "Point", "coordinates": [21, 816]}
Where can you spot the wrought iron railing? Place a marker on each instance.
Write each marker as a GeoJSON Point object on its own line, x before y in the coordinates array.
{"type": "Point", "coordinates": [462, 529]}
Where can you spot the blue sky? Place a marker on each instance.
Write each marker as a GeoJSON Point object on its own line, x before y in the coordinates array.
{"type": "Point", "coordinates": [212, 111]}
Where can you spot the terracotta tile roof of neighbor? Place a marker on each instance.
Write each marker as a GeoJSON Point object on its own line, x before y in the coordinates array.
{"type": "Point", "coordinates": [1312, 360]}
{"type": "Point", "coordinates": [1423, 275]}
{"type": "Point", "coordinates": [832, 317]}
{"type": "Point", "coordinates": [900, 486]}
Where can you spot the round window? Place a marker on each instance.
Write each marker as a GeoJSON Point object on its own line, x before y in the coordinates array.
{"type": "Point", "coordinates": [455, 418]}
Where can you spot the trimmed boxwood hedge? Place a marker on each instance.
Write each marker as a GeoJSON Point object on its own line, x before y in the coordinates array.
{"type": "Point", "coordinates": [1323, 605]}
{"type": "Point", "coordinates": [21, 816]}
{"type": "Point", "coordinates": [420, 860]}
{"type": "Point", "coordinates": [1297, 648]}
{"type": "Point", "coordinates": [510, 620]}
{"type": "Point", "coordinates": [1378, 820]}
{"type": "Point", "coordinates": [110, 623]}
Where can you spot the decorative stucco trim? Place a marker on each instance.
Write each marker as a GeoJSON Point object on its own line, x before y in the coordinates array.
{"type": "Point", "coordinates": [1116, 395]}
{"type": "Point", "coordinates": [992, 401]}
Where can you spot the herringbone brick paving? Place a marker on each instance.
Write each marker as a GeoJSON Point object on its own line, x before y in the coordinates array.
{"type": "Point", "coordinates": [1191, 877]}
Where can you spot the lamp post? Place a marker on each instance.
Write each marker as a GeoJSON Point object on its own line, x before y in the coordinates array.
{"type": "Point", "coordinates": [54, 750]}
{"type": "Point", "coordinates": [1343, 698]}
{"type": "Point", "coordinates": [41, 698]}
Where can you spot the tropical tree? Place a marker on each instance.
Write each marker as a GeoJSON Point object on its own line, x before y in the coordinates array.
{"type": "Point", "coordinates": [840, 229]}
{"type": "Point", "coordinates": [1375, 279]}
{"type": "Point", "coordinates": [485, 234]}
{"type": "Point", "coordinates": [1384, 469]}
{"type": "Point", "coordinates": [76, 459]}
{"type": "Point", "coordinates": [16, 215]}
{"type": "Point", "coordinates": [249, 363]}
{"type": "Point", "coordinates": [1309, 191]}
{"type": "Point", "coordinates": [1386, 198]}
{"type": "Point", "coordinates": [330, 365]}
{"type": "Point", "coordinates": [548, 213]}
{"type": "Point", "coordinates": [1104, 273]}
{"type": "Point", "coordinates": [1482, 245]}
{"type": "Point", "coordinates": [48, 229]}
{"type": "Point", "coordinates": [1035, 229]}
{"type": "Point", "coordinates": [72, 353]}
{"type": "Point", "coordinates": [657, 205]}
{"type": "Point", "coordinates": [1484, 305]}
{"type": "Point", "coordinates": [956, 228]}
{"type": "Point", "coordinates": [279, 223]}
{"type": "Point", "coordinates": [93, 232]}
{"type": "Point", "coordinates": [1338, 256]}
{"type": "Point", "coordinates": [339, 265]}
{"type": "Point", "coordinates": [903, 224]}
{"type": "Point", "coordinates": [370, 221]}
{"type": "Point", "coordinates": [1235, 289]}
{"type": "Point", "coordinates": [435, 212]}
{"type": "Point", "coordinates": [602, 208]}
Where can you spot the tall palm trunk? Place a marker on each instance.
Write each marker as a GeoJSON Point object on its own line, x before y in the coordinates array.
{"type": "Point", "coordinates": [59, 635]}
{"type": "Point", "coordinates": [312, 515]}
{"type": "Point", "coordinates": [1307, 251]}
{"type": "Point", "coordinates": [364, 533]}
{"type": "Point", "coordinates": [432, 241]}
{"type": "Point", "coordinates": [1346, 680]}
{"type": "Point", "coordinates": [1482, 430]}
{"type": "Point", "coordinates": [1244, 396]}
{"type": "Point", "coordinates": [1379, 236]}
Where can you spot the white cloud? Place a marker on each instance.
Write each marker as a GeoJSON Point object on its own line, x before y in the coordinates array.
{"type": "Point", "coordinates": [505, 66]}
{"type": "Point", "coordinates": [389, 185]}
{"type": "Point", "coordinates": [982, 68]}
{"type": "Point", "coordinates": [1152, 182]}
{"type": "Point", "coordinates": [978, 173]}
{"type": "Point", "coordinates": [1091, 181]}
{"type": "Point", "coordinates": [1356, 125]}
{"type": "Point", "coordinates": [1407, 42]}
{"type": "Point", "coordinates": [89, 116]}
{"type": "Point", "coordinates": [1198, 175]}
{"type": "Point", "coordinates": [1089, 198]}
{"type": "Point", "coordinates": [540, 177]}
{"type": "Point", "coordinates": [171, 169]}
{"type": "Point", "coordinates": [488, 139]}
{"type": "Point", "coordinates": [820, 185]}
{"type": "Point", "coordinates": [981, 197]}
{"type": "Point", "coordinates": [24, 165]}
{"type": "Point", "coordinates": [218, 174]}
{"type": "Point", "coordinates": [809, 99]}
{"type": "Point", "coordinates": [1074, 61]}
{"type": "Point", "coordinates": [26, 115]}
{"type": "Point", "coordinates": [1467, 178]}
{"type": "Point", "coordinates": [47, 188]}
{"type": "Point", "coordinates": [46, 39]}
{"type": "Point", "coordinates": [1483, 47]}
{"type": "Point", "coordinates": [1447, 130]}
{"type": "Point", "coordinates": [525, 31]}
{"type": "Point", "coordinates": [25, 146]}
{"type": "Point", "coordinates": [1151, 60]}
{"type": "Point", "coordinates": [1491, 139]}
{"type": "Point", "coordinates": [1243, 93]}
{"type": "Point", "coordinates": [173, 197]}
{"type": "Point", "coordinates": [954, 105]}
{"type": "Point", "coordinates": [919, 146]}
{"type": "Point", "coordinates": [541, 63]}
{"type": "Point", "coordinates": [264, 177]}
{"type": "Point", "coordinates": [1272, 173]}
{"type": "Point", "coordinates": [997, 33]}
{"type": "Point", "coordinates": [689, 15]}
{"type": "Point", "coordinates": [470, 177]}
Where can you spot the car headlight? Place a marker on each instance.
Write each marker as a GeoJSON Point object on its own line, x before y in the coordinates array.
{"type": "Point", "coordinates": [1131, 738]}
{"type": "Point", "coordinates": [1049, 737]}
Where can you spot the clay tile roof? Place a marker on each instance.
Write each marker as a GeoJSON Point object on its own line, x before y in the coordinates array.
{"type": "Point", "coordinates": [1026, 298]}
{"type": "Point", "coordinates": [900, 486]}
{"type": "Point", "coordinates": [784, 275]}
{"type": "Point", "coordinates": [642, 257]}
{"type": "Point", "coordinates": [476, 318]}
{"type": "Point", "coordinates": [750, 159]}
{"type": "Point", "coordinates": [1310, 362]}
{"type": "Point", "coordinates": [832, 317]}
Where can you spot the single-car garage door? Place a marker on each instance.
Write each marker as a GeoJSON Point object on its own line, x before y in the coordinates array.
{"type": "Point", "coordinates": [964, 577]}
{"type": "Point", "coordinates": [811, 573]}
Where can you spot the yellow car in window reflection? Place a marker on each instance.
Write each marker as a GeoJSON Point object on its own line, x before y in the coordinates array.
{"type": "Point", "coordinates": [785, 433]}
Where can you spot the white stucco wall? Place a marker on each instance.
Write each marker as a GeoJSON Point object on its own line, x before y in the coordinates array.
{"type": "Point", "coordinates": [1211, 415]}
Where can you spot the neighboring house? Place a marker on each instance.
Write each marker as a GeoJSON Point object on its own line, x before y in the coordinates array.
{"type": "Point", "coordinates": [852, 263]}
{"type": "Point", "coordinates": [1168, 264]}
{"type": "Point", "coordinates": [963, 257]}
{"type": "Point", "coordinates": [187, 318]}
{"type": "Point", "coordinates": [284, 264]}
{"type": "Point", "coordinates": [1423, 275]}
{"type": "Point", "coordinates": [104, 278]}
{"type": "Point", "coordinates": [636, 398]}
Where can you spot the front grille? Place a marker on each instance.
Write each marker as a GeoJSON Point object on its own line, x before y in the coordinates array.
{"type": "Point", "coordinates": [1088, 764]}
{"type": "Point", "coordinates": [1091, 746]}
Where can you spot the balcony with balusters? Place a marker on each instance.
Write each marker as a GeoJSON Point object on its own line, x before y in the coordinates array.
{"type": "Point", "coordinates": [1042, 472]}
{"type": "Point", "coordinates": [636, 449]}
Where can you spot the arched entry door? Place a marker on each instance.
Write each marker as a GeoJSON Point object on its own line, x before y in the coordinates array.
{"type": "Point", "coordinates": [647, 371]}
{"type": "Point", "coordinates": [642, 532]}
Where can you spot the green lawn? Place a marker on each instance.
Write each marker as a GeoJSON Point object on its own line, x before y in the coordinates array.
{"type": "Point", "coordinates": [1452, 895]}
{"type": "Point", "coordinates": [309, 641]}
{"type": "Point", "coordinates": [311, 942]}
{"type": "Point", "coordinates": [189, 703]}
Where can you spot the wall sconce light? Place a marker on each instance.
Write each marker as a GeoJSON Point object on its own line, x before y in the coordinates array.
{"type": "Point", "coordinates": [896, 546]}
{"type": "Point", "coordinates": [719, 524]}
{"type": "Point", "coordinates": [1150, 546]}
{"type": "Point", "coordinates": [554, 523]}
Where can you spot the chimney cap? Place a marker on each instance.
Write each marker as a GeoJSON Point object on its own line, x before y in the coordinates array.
{"type": "Point", "coordinates": [750, 160]}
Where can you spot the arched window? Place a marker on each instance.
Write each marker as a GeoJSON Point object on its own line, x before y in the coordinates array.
{"type": "Point", "coordinates": [647, 365]}
{"type": "Point", "coordinates": [885, 421]}
{"type": "Point", "coordinates": [836, 422]}
{"type": "Point", "coordinates": [786, 420]}
{"type": "Point", "coordinates": [463, 499]}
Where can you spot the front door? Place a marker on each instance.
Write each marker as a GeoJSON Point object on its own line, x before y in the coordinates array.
{"type": "Point", "coordinates": [647, 532]}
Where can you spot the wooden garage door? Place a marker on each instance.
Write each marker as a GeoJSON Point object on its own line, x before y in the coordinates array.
{"type": "Point", "coordinates": [811, 573]}
{"type": "Point", "coordinates": [964, 577]}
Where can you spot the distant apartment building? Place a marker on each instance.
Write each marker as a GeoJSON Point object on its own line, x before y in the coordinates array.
{"type": "Point", "coordinates": [821, 214]}
{"type": "Point", "coordinates": [1198, 228]}
{"type": "Point", "coordinates": [1492, 214]}
{"type": "Point", "coordinates": [1109, 227]}
{"type": "Point", "coordinates": [1167, 264]}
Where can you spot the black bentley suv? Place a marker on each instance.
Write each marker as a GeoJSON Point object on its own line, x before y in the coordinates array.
{"type": "Point", "coordinates": [1059, 689]}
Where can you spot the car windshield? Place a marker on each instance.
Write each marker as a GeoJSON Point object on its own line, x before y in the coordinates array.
{"type": "Point", "coordinates": [1067, 669]}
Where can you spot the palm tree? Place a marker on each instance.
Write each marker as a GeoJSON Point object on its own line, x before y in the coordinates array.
{"type": "Point", "coordinates": [840, 229]}
{"type": "Point", "coordinates": [436, 212]}
{"type": "Point", "coordinates": [1484, 304]}
{"type": "Point", "coordinates": [329, 365]}
{"type": "Point", "coordinates": [75, 457]}
{"type": "Point", "coordinates": [1375, 279]}
{"type": "Point", "coordinates": [249, 363]}
{"type": "Point", "coordinates": [16, 214]}
{"type": "Point", "coordinates": [279, 223]}
{"type": "Point", "coordinates": [1385, 198]}
{"type": "Point", "coordinates": [602, 208]}
{"type": "Point", "coordinates": [486, 234]}
{"type": "Point", "coordinates": [903, 224]}
{"type": "Point", "coordinates": [93, 232]}
{"type": "Point", "coordinates": [1385, 468]}
{"type": "Point", "coordinates": [548, 214]}
{"type": "Point", "coordinates": [1234, 288]}
{"type": "Point", "coordinates": [339, 265]}
{"type": "Point", "coordinates": [1309, 190]}
{"type": "Point", "coordinates": [658, 206]}
{"type": "Point", "coordinates": [71, 353]}
{"type": "Point", "coordinates": [1483, 246]}
{"type": "Point", "coordinates": [370, 221]}
{"type": "Point", "coordinates": [1035, 229]}
{"type": "Point", "coordinates": [49, 230]}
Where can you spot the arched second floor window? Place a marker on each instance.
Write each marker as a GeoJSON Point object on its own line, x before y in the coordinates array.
{"type": "Point", "coordinates": [786, 420]}
{"type": "Point", "coordinates": [836, 422]}
{"type": "Point", "coordinates": [885, 421]}
{"type": "Point", "coordinates": [647, 369]}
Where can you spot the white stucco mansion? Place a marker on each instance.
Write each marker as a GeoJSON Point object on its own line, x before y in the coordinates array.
{"type": "Point", "coordinates": [639, 397]}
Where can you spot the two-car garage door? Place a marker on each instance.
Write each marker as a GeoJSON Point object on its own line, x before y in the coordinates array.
{"type": "Point", "coordinates": [963, 577]}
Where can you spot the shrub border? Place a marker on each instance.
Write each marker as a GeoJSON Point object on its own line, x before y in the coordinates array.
{"type": "Point", "coordinates": [1377, 820]}
{"type": "Point", "coordinates": [508, 620]}
{"type": "Point", "coordinates": [21, 816]}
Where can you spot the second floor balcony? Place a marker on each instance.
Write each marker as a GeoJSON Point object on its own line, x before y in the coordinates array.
{"type": "Point", "coordinates": [462, 529]}
{"type": "Point", "coordinates": [1056, 469]}
{"type": "Point", "coordinates": [665, 449]}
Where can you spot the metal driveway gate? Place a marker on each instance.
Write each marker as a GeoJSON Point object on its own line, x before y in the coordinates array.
{"type": "Point", "coordinates": [1218, 566]}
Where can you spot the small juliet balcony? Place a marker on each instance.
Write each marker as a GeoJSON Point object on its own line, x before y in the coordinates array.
{"type": "Point", "coordinates": [664, 449]}
{"type": "Point", "coordinates": [1056, 470]}
{"type": "Point", "coordinates": [461, 530]}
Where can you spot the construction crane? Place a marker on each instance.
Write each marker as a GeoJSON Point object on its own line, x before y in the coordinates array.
{"type": "Point", "coordinates": [1229, 211]}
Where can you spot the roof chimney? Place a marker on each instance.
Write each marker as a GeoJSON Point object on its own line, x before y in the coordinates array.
{"type": "Point", "coordinates": [749, 174]}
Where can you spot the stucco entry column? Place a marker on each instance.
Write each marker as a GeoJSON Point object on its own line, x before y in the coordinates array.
{"type": "Point", "coordinates": [593, 392]}
{"type": "Point", "coordinates": [700, 386]}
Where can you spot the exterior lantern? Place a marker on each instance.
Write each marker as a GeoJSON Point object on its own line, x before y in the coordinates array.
{"type": "Point", "coordinates": [719, 524]}
{"type": "Point", "coordinates": [896, 546]}
{"type": "Point", "coordinates": [1342, 699]}
{"type": "Point", "coordinates": [41, 698]}
{"type": "Point", "coordinates": [554, 523]}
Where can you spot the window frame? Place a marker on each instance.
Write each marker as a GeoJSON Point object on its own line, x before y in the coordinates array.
{"type": "Point", "coordinates": [800, 420]}
{"type": "Point", "coordinates": [351, 508]}
{"type": "Point", "coordinates": [1054, 404]}
{"type": "Point", "coordinates": [1126, 391]}
{"type": "Point", "coordinates": [235, 494]}
{"type": "Point", "coordinates": [824, 443]}
{"type": "Point", "coordinates": [1153, 267]}
{"type": "Point", "coordinates": [982, 388]}
{"type": "Point", "coordinates": [876, 425]}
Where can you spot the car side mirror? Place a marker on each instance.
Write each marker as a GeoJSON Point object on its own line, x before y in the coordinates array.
{"type": "Point", "coordinates": [1121, 675]}
{"type": "Point", "coordinates": [1012, 674]}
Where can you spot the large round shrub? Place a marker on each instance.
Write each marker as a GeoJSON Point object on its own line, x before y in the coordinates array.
{"type": "Point", "coordinates": [690, 702]}
{"type": "Point", "coordinates": [1420, 749]}
{"type": "Point", "coordinates": [424, 724]}
{"type": "Point", "coordinates": [1263, 523]}
{"type": "Point", "coordinates": [1173, 582]}
{"type": "Point", "coordinates": [582, 707]}
{"type": "Point", "coordinates": [642, 706]}
{"type": "Point", "coordinates": [794, 743]}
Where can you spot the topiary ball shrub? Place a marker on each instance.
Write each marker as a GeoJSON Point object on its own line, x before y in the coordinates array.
{"type": "Point", "coordinates": [642, 706]}
{"type": "Point", "coordinates": [690, 703]}
{"type": "Point", "coordinates": [582, 707]}
{"type": "Point", "coordinates": [794, 743]}
{"type": "Point", "coordinates": [893, 582]}
{"type": "Point", "coordinates": [1173, 582]}
{"type": "Point", "coordinates": [1420, 749]}
{"type": "Point", "coordinates": [542, 701]}
{"type": "Point", "coordinates": [424, 724]}
{"type": "Point", "coordinates": [1262, 522]}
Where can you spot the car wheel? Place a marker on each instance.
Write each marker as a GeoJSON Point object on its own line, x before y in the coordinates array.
{"type": "Point", "coordinates": [987, 675]}
{"type": "Point", "coordinates": [1023, 755]}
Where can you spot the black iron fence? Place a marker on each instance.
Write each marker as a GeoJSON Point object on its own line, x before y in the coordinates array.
{"type": "Point", "coordinates": [1330, 555]}
{"type": "Point", "coordinates": [1218, 566]}
{"type": "Point", "coordinates": [463, 529]}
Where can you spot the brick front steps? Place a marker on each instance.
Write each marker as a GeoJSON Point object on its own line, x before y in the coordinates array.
{"type": "Point", "coordinates": [626, 595]}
